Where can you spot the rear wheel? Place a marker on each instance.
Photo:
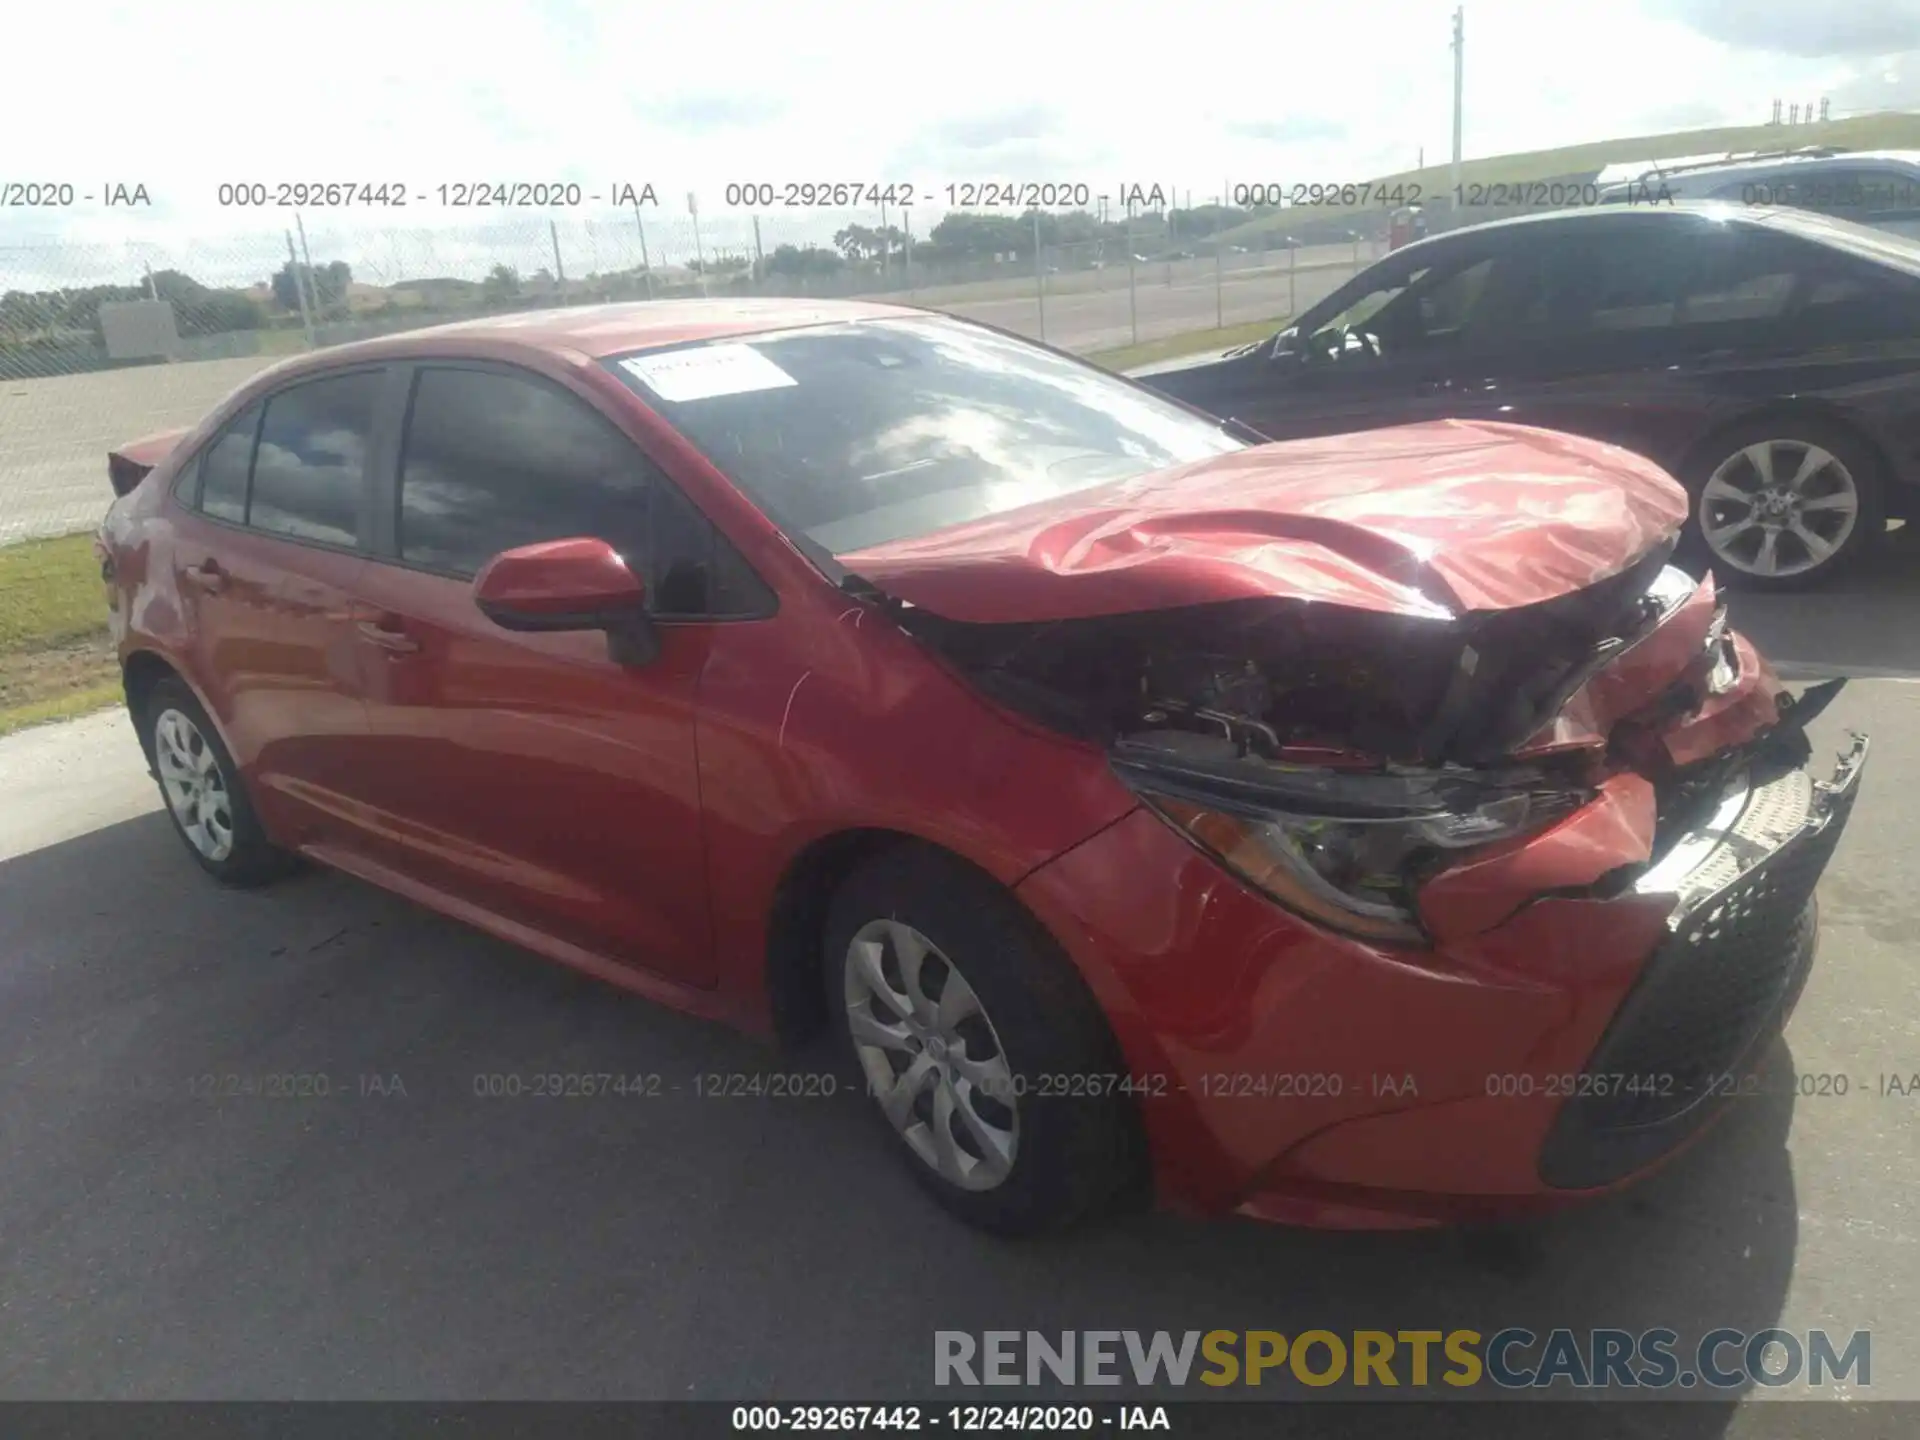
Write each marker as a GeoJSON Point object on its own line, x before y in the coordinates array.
{"type": "Point", "coordinates": [203, 790]}
{"type": "Point", "coordinates": [978, 1045]}
{"type": "Point", "coordinates": [1784, 504]}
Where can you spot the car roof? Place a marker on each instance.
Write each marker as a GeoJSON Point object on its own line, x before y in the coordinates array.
{"type": "Point", "coordinates": [1677, 174]}
{"type": "Point", "coordinates": [1778, 217]}
{"type": "Point", "coordinates": [1858, 241]}
{"type": "Point", "coordinates": [597, 331]}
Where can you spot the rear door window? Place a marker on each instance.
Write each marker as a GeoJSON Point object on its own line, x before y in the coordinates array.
{"type": "Point", "coordinates": [310, 467]}
{"type": "Point", "coordinates": [225, 466]}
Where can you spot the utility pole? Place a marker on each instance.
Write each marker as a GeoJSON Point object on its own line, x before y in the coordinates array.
{"type": "Point", "coordinates": [299, 290]}
{"type": "Point", "coordinates": [1459, 70]}
{"type": "Point", "coordinates": [646, 264]}
{"type": "Point", "coordinates": [699, 250]}
{"type": "Point", "coordinates": [313, 281]}
{"type": "Point", "coordinates": [1039, 277]}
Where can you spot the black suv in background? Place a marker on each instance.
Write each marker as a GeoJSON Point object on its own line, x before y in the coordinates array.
{"type": "Point", "coordinates": [1879, 188]}
{"type": "Point", "coordinates": [1769, 358]}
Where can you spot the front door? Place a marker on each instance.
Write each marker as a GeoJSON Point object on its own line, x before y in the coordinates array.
{"type": "Point", "coordinates": [531, 776]}
{"type": "Point", "coordinates": [1385, 352]}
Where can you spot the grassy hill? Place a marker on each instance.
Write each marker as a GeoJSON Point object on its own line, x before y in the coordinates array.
{"type": "Point", "coordinates": [1891, 131]}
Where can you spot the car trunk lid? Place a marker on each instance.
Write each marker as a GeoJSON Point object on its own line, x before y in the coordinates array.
{"type": "Point", "coordinates": [129, 464]}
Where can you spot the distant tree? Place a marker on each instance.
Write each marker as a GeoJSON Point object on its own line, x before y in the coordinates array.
{"type": "Point", "coordinates": [501, 285]}
{"type": "Point", "coordinates": [326, 286]}
{"type": "Point", "coordinates": [200, 311]}
{"type": "Point", "coordinates": [804, 260]}
{"type": "Point", "coordinates": [857, 242]}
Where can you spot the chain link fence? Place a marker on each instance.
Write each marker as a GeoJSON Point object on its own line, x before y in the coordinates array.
{"type": "Point", "coordinates": [103, 343]}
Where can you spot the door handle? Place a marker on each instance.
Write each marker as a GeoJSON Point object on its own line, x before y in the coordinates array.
{"type": "Point", "coordinates": [385, 631]}
{"type": "Point", "coordinates": [207, 576]}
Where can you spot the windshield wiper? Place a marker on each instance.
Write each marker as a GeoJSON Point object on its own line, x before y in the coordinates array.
{"type": "Point", "coordinates": [1240, 430]}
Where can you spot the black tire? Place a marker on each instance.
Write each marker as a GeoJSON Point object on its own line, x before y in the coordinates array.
{"type": "Point", "coordinates": [1793, 433]}
{"type": "Point", "coordinates": [253, 859]}
{"type": "Point", "coordinates": [1079, 1148]}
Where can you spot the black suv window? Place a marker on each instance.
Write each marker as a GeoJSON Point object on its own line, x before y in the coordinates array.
{"type": "Point", "coordinates": [224, 468]}
{"type": "Point", "coordinates": [1410, 313]}
{"type": "Point", "coordinates": [1653, 277]}
{"type": "Point", "coordinates": [1741, 275]}
{"type": "Point", "coordinates": [310, 468]}
{"type": "Point", "coordinates": [1630, 282]}
{"type": "Point", "coordinates": [493, 461]}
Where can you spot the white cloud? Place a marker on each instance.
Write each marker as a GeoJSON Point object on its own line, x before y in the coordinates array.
{"type": "Point", "coordinates": [187, 96]}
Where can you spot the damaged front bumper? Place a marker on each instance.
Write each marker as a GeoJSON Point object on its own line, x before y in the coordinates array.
{"type": "Point", "coordinates": [1740, 942]}
{"type": "Point", "coordinates": [1561, 1045]}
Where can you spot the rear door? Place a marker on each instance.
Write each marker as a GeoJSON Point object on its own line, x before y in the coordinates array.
{"type": "Point", "coordinates": [1637, 330]}
{"type": "Point", "coordinates": [265, 561]}
{"type": "Point", "coordinates": [529, 776]}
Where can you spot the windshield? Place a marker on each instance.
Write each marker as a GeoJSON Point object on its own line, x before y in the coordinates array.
{"type": "Point", "coordinates": [859, 434]}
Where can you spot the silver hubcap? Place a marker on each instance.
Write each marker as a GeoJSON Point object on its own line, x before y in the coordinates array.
{"type": "Point", "coordinates": [1779, 507]}
{"type": "Point", "coordinates": [196, 790]}
{"type": "Point", "coordinates": [931, 1056]}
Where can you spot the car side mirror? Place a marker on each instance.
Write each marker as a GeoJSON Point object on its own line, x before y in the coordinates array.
{"type": "Point", "coordinates": [580, 584]}
{"type": "Point", "coordinates": [1286, 348]}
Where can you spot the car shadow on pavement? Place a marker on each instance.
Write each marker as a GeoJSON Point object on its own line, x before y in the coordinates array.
{"type": "Point", "coordinates": [289, 1143]}
{"type": "Point", "coordinates": [1862, 624]}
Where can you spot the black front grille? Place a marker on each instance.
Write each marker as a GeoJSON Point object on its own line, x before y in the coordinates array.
{"type": "Point", "coordinates": [1706, 1002]}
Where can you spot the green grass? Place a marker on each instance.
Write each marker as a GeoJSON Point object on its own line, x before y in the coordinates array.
{"type": "Point", "coordinates": [1194, 342]}
{"type": "Point", "coordinates": [50, 592]}
{"type": "Point", "coordinates": [67, 705]}
{"type": "Point", "coordinates": [55, 659]}
{"type": "Point", "coordinates": [1863, 132]}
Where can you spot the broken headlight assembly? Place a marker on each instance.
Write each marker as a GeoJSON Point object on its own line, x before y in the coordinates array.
{"type": "Point", "coordinates": [1351, 862]}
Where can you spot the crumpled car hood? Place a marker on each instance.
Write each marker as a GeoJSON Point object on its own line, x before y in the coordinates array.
{"type": "Point", "coordinates": [1431, 520]}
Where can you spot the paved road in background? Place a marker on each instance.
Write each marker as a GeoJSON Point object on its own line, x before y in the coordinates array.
{"type": "Point", "coordinates": [55, 433]}
{"type": "Point", "coordinates": [441, 1245]}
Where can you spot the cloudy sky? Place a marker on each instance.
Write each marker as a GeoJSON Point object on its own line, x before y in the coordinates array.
{"type": "Point", "coordinates": [691, 96]}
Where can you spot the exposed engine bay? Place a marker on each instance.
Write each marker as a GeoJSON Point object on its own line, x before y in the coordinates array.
{"type": "Point", "coordinates": [1338, 758]}
{"type": "Point", "coordinates": [1282, 680]}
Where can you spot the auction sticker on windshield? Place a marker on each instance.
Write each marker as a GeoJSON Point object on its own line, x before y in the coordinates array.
{"type": "Point", "coordinates": [706, 371]}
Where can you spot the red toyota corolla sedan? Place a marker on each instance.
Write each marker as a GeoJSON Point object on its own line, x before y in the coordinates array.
{"type": "Point", "coordinates": [1366, 831]}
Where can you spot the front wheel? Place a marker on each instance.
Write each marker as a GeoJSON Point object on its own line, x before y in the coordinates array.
{"type": "Point", "coordinates": [978, 1045]}
{"type": "Point", "coordinates": [1786, 504]}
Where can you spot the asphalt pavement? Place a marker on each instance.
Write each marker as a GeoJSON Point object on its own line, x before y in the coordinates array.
{"type": "Point", "coordinates": [406, 1237]}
